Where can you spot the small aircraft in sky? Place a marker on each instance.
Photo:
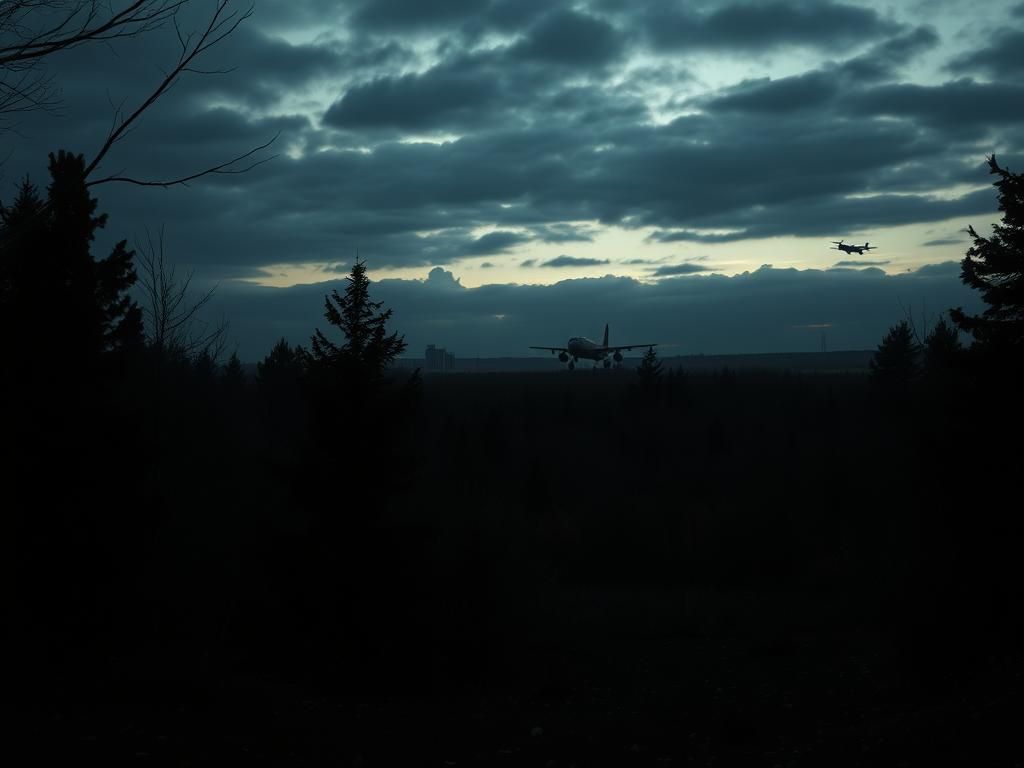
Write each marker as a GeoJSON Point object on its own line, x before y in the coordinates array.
{"type": "Point", "coordinates": [580, 348]}
{"type": "Point", "coordinates": [849, 248]}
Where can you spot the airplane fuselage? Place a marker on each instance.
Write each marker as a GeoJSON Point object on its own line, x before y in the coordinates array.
{"type": "Point", "coordinates": [583, 348]}
{"type": "Point", "coordinates": [859, 249]}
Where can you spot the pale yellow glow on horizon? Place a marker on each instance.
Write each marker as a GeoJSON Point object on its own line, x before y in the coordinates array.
{"type": "Point", "coordinates": [901, 247]}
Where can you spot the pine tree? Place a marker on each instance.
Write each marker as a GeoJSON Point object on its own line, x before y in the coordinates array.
{"type": "Point", "coordinates": [895, 364]}
{"type": "Point", "coordinates": [368, 349]}
{"type": "Point", "coordinates": [995, 266]}
{"type": "Point", "coordinates": [234, 375]}
{"type": "Point", "coordinates": [942, 349]}
{"type": "Point", "coordinates": [281, 368]}
{"type": "Point", "coordinates": [51, 282]}
{"type": "Point", "coordinates": [649, 369]}
{"type": "Point", "coordinates": [649, 372]}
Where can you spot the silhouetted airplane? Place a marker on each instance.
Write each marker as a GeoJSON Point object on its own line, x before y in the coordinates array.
{"type": "Point", "coordinates": [580, 348]}
{"type": "Point", "coordinates": [853, 248]}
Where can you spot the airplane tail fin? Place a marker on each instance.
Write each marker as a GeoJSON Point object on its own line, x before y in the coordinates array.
{"type": "Point", "coordinates": [605, 342]}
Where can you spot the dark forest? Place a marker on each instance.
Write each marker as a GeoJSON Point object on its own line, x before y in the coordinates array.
{"type": "Point", "coordinates": [337, 562]}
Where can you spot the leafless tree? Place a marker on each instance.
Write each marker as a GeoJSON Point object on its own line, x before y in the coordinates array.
{"type": "Point", "coordinates": [32, 30]}
{"type": "Point", "coordinates": [171, 311]}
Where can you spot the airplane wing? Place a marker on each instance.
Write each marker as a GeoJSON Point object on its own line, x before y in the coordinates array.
{"type": "Point", "coordinates": [551, 349]}
{"type": "Point", "coordinates": [626, 347]}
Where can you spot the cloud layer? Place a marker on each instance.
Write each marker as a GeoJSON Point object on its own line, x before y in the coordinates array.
{"type": "Point", "coordinates": [439, 133]}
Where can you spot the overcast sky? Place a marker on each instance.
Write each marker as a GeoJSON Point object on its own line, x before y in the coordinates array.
{"type": "Point", "coordinates": [554, 166]}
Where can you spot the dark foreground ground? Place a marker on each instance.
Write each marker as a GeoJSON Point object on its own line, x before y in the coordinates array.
{"type": "Point", "coordinates": [721, 568]}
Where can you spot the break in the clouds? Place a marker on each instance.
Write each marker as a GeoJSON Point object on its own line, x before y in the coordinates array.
{"type": "Point", "coordinates": [505, 132]}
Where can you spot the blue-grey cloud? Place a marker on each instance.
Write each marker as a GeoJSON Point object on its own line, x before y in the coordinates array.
{"type": "Point", "coordinates": [679, 269]}
{"type": "Point", "coordinates": [406, 14]}
{"type": "Point", "coordinates": [495, 242]}
{"type": "Point", "coordinates": [572, 261]}
{"type": "Point", "coordinates": [767, 310]}
{"type": "Point", "coordinates": [562, 233]}
{"type": "Point", "coordinates": [1003, 58]}
{"type": "Point", "coordinates": [943, 241]}
{"type": "Point", "coordinates": [569, 38]}
{"type": "Point", "coordinates": [959, 107]}
{"type": "Point", "coordinates": [416, 101]}
{"type": "Point", "coordinates": [762, 25]}
{"type": "Point", "coordinates": [855, 263]}
{"type": "Point", "coordinates": [884, 59]}
{"type": "Point", "coordinates": [784, 95]}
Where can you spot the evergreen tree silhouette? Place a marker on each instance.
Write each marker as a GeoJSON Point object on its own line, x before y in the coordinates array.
{"type": "Point", "coordinates": [51, 280]}
{"type": "Point", "coordinates": [942, 349]}
{"type": "Point", "coordinates": [895, 364]}
{"type": "Point", "coordinates": [281, 368]}
{"type": "Point", "coordinates": [354, 416]}
{"type": "Point", "coordinates": [995, 266]}
{"type": "Point", "coordinates": [649, 370]}
{"type": "Point", "coordinates": [368, 349]}
{"type": "Point", "coordinates": [234, 376]}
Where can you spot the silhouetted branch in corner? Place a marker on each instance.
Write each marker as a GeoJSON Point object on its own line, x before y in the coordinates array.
{"type": "Point", "coordinates": [220, 26]}
{"type": "Point", "coordinates": [33, 30]}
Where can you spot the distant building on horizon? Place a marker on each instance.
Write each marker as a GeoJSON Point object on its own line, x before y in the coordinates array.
{"type": "Point", "coordinates": [439, 360]}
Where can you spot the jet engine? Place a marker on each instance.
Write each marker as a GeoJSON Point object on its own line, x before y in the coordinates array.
{"type": "Point", "coordinates": [563, 358]}
{"type": "Point", "coordinates": [617, 357]}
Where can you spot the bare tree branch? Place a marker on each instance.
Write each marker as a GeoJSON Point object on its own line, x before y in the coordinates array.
{"type": "Point", "coordinates": [222, 169]}
{"type": "Point", "coordinates": [32, 30]}
{"type": "Point", "coordinates": [219, 27]}
{"type": "Point", "coordinates": [25, 42]}
{"type": "Point", "coordinates": [171, 313]}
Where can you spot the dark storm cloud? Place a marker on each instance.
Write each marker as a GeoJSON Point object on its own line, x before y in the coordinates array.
{"type": "Point", "coordinates": [497, 88]}
{"type": "Point", "coordinates": [882, 60]}
{"type": "Point", "coordinates": [1003, 59]}
{"type": "Point", "coordinates": [440, 97]}
{"type": "Point", "coordinates": [829, 216]}
{"type": "Point", "coordinates": [542, 147]}
{"type": "Point", "coordinates": [572, 261]}
{"type": "Point", "coordinates": [678, 269]}
{"type": "Point", "coordinates": [957, 107]}
{"type": "Point", "coordinates": [495, 242]}
{"type": "Point", "coordinates": [859, 264]}
{"type": "Point", "coordinates": [762, 25]}
{"type": "Point", "coordinates": [571, 39]}
{"type": "Point", "coordinates": [786, 94]}
{"type": "Point", "coordinates": [412, 14]}
{"type": "Point", "coordinates": [767, 310]}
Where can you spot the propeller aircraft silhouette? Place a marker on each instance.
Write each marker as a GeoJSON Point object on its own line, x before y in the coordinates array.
{"type": "Point", "coordinates": [850, 248]}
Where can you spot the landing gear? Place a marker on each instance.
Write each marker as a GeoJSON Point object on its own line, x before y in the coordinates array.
{"type": "Point", "coordinates": [607, 363]}
{"type": "Point", "coordinates": [572, 365]}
